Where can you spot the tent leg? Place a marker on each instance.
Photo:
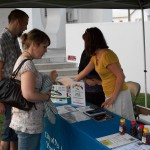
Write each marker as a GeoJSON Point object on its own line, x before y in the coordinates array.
{"type": "Point", "coordinates": [145, 71]}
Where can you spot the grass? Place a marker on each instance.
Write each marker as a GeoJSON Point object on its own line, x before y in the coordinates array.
{"type": "Point", "coordinates": [141, 100]}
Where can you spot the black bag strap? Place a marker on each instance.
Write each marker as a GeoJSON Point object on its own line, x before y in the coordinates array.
{"type": "Point", "coordinates": [14, 74]}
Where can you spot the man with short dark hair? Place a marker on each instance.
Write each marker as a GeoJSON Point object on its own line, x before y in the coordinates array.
{"type": "Point", "coordinates": [9, 52]}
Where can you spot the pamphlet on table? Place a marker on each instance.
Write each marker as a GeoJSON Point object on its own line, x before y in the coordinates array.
{"type": "Point", "coordinates": [117, 140]}
{"type": "Point", "coordinates": [75, 116]}
{"type": "Point", "coordinates": [59, 94]}
{"type": "Point", "coordinates": [138, 145]}
{"type": "Point", "coordinates": [85, 108]}
{"type": "Point", "coordinates": [78, 93]}
{"type": "Point", "coordinates": [71, 114]}
{"type": "Point", "coordinates": [65, 109]}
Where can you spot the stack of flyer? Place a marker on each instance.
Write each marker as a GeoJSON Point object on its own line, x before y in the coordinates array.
{"type": "Point", "coordinates": [117, 141]}
{"type": "Point", "coordinates": [59, 94]}
{"type": "Point", "coordinates": [71, 114]}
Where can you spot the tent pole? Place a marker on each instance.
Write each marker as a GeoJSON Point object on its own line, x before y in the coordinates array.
{"type": "Point", "coordinates": [129, 16]}
{"type": "Point", "coordinates": [145, 71]}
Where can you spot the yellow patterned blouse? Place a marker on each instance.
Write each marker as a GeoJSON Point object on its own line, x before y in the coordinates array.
{"type": "Point", "coordinates": [108, 78]}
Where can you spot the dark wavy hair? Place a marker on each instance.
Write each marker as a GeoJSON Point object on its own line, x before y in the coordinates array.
{"type": "Point", "coordinates": [93, 39]}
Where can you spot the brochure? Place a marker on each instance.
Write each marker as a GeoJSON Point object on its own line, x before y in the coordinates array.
{"type": "Point", "coordinates": [59, 100]}
{"type": "Point", "coordinates": [138, 145]}
{"type": "Point", "coordinates": [116, 140]}
{"type": "Point", "coordinates": [78, 93]}
{"type": "Point", "coordinates": [75, 116]}
{"type": "Point", "coordinates": [85, 108]}
{"type": "Point", "coordinates": [65, 109]}
{"type": "Point", "coordinates": [59, 91]}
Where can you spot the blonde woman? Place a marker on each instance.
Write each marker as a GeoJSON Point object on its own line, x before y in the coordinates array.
{"type": "Point", "coordinates": [29, 124]}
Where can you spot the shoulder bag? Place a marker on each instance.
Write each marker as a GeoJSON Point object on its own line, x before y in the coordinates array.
{"type": "Point", "coordinates": [10, 91]}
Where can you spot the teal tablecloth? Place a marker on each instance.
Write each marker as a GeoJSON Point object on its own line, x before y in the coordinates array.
{"type": "Point", "coordinates": [77, 136]}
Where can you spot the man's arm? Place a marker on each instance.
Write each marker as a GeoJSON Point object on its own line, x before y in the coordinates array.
{"type": "Point", "coordinates": [1, 67]}
{"type": "Point", "coordinates": [2, 106]}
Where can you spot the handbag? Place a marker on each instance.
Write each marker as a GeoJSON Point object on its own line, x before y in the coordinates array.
{"type": "Point", "coordinates": [10, 91]}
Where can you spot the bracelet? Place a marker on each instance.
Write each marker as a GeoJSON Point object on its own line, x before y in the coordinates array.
{"type": "Point", "coordinates": [49, 95]}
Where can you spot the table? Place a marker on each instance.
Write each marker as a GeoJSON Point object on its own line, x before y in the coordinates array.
{"type": "Point", "coordinates": [80, 135]}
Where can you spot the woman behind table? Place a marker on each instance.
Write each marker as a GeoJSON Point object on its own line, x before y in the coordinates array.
{"type": "Point", "coordinates": [107, 65]}
{"type": "Point", "coordinates": [29, 124]}
{"type": "Point", "coordinates": [93, 88]}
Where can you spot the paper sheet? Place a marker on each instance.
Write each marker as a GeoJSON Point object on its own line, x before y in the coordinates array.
{"type": "Point", "coordinates": [116, 140]}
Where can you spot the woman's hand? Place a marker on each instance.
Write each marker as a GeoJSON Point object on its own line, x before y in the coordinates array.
{"type": "Point", "coordinates": [108, 102]}
{"type": "Point", "coordinates": [53, 75]}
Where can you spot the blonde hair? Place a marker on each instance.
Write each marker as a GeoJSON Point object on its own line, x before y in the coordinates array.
{"type": "Point", "coordinates": [35, 35]}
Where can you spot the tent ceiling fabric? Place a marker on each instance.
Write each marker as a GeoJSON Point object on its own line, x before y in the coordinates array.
{"type": "Point", "coordinates": [103, 4]}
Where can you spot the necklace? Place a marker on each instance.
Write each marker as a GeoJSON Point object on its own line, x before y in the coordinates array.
{"type": "Point", "coordinates": [28, 55]}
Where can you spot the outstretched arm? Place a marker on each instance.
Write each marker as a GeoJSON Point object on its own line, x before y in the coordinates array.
{"type": "Point", "coordinates": [2, 106]}
{"type": "Point", "coordinates": [84, 72]}
{"type": "Point", "coordinates": [1, 68]}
